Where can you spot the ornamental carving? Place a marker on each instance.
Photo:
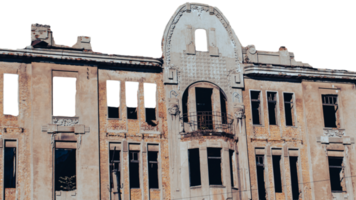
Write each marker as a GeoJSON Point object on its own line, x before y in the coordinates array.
{"type": "Point", "coordinates": [239, 113]}
{"type": "Point", "coordinates": [173, 109]}
{"type": "Point", "coordinates": [65, 121]}
{"type": "Point", "coordinates": [334, 132]}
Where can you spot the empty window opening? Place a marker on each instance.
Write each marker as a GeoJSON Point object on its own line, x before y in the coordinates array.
{"type": "Point", "coordinates": [194, 167]}
{"type": "Point", "coordinates": [223, 105]}
{"type": "Point", "coordinates": [256, 107]}
{"type": "Point", "coordinates": [65, 169]}
{"type": "Point", "coordinates": [261, 177]}
{"type": "Point", "coordinates": [277, 173]}
{"type": "Point", "coordinates": [11, 94]}
{"type": "Point", "coordinates": [231, 158]}
{"type": "Point", "coordinates": [214, 166]}
{"type": "Point", "coordinates": [336, 173]}
{"type": "Point", "coordinates": [201, 42]}
{"type": "Point", "coordinates": [288, 108]}
{"type": "Point", "coordinates": [134, 169]}
{"type": "Point", "coordinates": [113, 98]}
{"type": "Point", "coordinates": [204, 108]}
{"type": "Point", "coordinates": [330, 107]}
{"type": "Point", "coordinates": [153, 169]}
{"type": "Point", "coordinates": [115, 172]}
{"type": "Point", "coordinates": [150, 103]}
{"type": "Point", "coordinates": [293, 161]}
{"type": "Point", "coordinates": [272, 107]}
{"type": "Point", "coordinates": [185, 106]}
{"type": "Point", "coordinates": [64, 92]}
{"type": "Point", "coordinates": [131, 91]}
{"type": "Point", "coordinates": [10, 164]}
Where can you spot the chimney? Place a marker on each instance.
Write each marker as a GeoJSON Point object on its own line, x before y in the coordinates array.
{"type": "Point", "coordinates": [83, 42]}
{"type": "Point", "coordinates": [41, 35]}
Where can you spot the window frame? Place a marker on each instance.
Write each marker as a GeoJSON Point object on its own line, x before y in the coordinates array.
{"type": "Point", "coordinates": [137, 100]}
{"type": "Point", "coordinates": [276, 109]}
{"type": "Point", "coordinates": [337, 112]}
{"type": "Point", "coordinates": [16, 164]}
{"type": "Point", "coordinates": [294, 115]}
{"type": "Point", "coordinates": [156, 95]}
{"type": "Point", "coordinates": [120, 100]}
{"type": "Point", "coordinates": [17, 95]}
{"type": "Point", "coordinates": [261, 107]}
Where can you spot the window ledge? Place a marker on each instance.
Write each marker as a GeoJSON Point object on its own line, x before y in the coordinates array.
{"type": "Point", "coordinates": [155, 189]}
{"type": "Point", "coordinates": [217, 186]}
{"type": "Point", "coordinates": [258, 125]}
{"type": "Point", "coordinates": [113, 118]}
{"type": "Point", "coordinates": [195, 187]}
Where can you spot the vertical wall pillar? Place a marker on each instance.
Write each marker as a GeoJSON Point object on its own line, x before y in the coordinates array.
{"type": "Point", "coordinates": [204, 171]}
{"type": "Point", "coordinates": [216, 108]}
{"type": "Point", "coordinates": [225, 158]}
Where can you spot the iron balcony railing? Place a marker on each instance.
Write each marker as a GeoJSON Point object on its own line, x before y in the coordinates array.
{"type": "Point", "coordinates": [207, 122]}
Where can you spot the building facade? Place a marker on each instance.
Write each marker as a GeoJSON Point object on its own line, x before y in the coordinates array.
{"type": "Point", "coordinates": [216, 120]}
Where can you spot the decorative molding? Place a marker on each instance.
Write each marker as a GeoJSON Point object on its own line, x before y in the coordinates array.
{"type": "Point", "coordinates": [173, 94]}
{"type": "Point", "coordinates": [334, 132]}
{"type": "Point", "coordinates": [65, 121]}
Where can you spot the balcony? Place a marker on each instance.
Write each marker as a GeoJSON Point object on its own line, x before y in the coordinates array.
{"type": "Point", "coordinates": [207, 123]}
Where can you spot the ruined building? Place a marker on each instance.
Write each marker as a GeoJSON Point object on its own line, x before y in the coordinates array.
{"type": "Point", "coordinates": [228, 121]}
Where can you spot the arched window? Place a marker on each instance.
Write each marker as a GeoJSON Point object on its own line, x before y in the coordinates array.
{"type": "Point", "coordinates": [201, 41]}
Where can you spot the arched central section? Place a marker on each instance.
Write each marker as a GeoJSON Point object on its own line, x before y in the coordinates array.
{"type": "Point", "coordinates": [205, 110]}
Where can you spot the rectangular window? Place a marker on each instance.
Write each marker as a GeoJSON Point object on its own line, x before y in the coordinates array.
{"type": "Point", "coordinates": [261, 177]}
{"type": "Point", "coordinates": [65, 166]}
{"type": "Point", "coordinates": [150, 103]}
{"type": "Point", "coordinates": [272, 107]}
{"type": "Point", "coordinates": [64, 93]}
{"type": "Point", "coordinates": [115, 172]}
{"type": "Point", "coordinates": [153, 169]}
{"type": "Point", "coordinates": [330, 107]}
{"type": "Point", "coordinates": [336, 173]}
{"type": "Point", "coordinates": [231, 158]}
{"type": "Point", "coordinates": [194, 167]}
{"type": "Point", "coordinates": [10, 164]}
{"type": "Point", "coordinates": [113, 98]}
{"type": "Point", "coordinates": [131, 92]}
{"type": "Point", "coordinates": [223, 102]}
{"type": "Point", "coordinates": [256, 107]}
{"type": "Point", "coordinates": [200, 40]}
{"type": "Point", "coordinates": [11, 94]}
{"type": "Point", "coordinates": [293, 161]}
{"type": "Point", "coordinates": [204, 107]}
{"type": "Point", "coordinates": [288, 108]}
{"type": "Point", "coordinates": [277, 173]}
{"type": "Point", "coordinates": [134, 169]}
{"type": "Point", "coordinates": [214, 166]}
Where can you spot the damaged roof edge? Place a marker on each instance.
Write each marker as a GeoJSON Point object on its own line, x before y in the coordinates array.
{"type": "Point", "coordinates": [298, 72]}
{"type": "Point", "coordinates": [83, 56]}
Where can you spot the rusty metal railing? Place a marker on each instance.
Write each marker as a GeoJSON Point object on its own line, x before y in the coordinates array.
{"type": "Point", "coordinates": [207, 122]}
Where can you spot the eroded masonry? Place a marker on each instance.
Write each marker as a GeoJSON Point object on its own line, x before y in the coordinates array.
{"type": "Point", "coordinates": [211, 120]}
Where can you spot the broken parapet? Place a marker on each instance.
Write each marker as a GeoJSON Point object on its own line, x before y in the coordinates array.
{"type": "Point", "coordinates": [42, 37]}
{"type": "Point", "coordinates": [282, 57]}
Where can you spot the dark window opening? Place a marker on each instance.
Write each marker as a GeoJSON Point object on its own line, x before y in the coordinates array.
{"type": "Point", "coordinates": [150, 105]}
{"type": "Point", "coordinates": [214, 166]}
{"type": "Point", "coordinates": [113, 100]}
{"type": "Point", "coordinates": [272, 107]}
{"type": "Point", "coordinates": [65, 169]}
{"type": "Point", "coordinates": [223, 102]}
{"type": "Point", "coordinates": [293, 161]}
{"type": "Point", "coordinates": [204, 108]}
{"type": "Point", "coordinates": [10, 94]}
{"type": "Point", "coordinates": [131, 101]}
{"type": "Point", "coordinates": [185, 106]}
{"type": "Point", "coordinates": [10, 167]}
{"type": "Point", "coordinates": [115, 180]}
{"type": "Point", "coordinates": [194, 167]}
{"type": "Point", "coordinates": [231, 156]}
{"type": "Point", "coordinates": [261, 177]}
{"type": "Point", "coordinates": [201, 40]}
{"type": "Point", "coordinates": [64, 96]}
{"type": "Point", "coordinates": [336, 176]}
{"type": "Point", "coordinates": [153, 169]}
{"type": "Point", "coordinates": [134, 169]}
{"type": "Point", "coordinates": [277, 173]}
{"type": "Point", "coordinates": [288, 108]}
{"type": "Point", "coordinates": [330, 107]}
{"type": "Point", "coordinates": [256, 107]}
